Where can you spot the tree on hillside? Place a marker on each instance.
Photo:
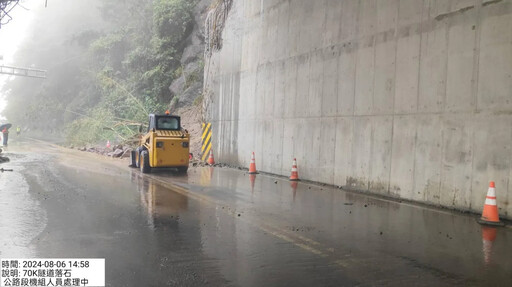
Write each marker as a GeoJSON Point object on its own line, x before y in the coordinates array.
{"type": "Point", "coordinates": [112, 76]}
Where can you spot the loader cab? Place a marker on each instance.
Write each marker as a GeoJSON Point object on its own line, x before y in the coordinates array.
{"type": "Point", "coordinates": [164, 122]}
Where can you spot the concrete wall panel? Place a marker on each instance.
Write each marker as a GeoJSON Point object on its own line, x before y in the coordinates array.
{"type": "Point", "coordinates": [272, 142]}
{"type": "Point", "coordinates": [346, 82]}
{"type": "Point", "coordinates": [367, 18]}
{"type": "Point", "coordinates": [428, 155]}
{"type": "Point", "coordinates": [312, 152]}
{"type": "Point", "coordinates": [288, 147]}
{"type": "Point", "coordinates": [402, 160]}
{"type": "Point", "coordinates": [407, 98]}
{"type": "Point", "coordinates": [244, 107]}
{"type": "Point", "coordinates": [305, 136]}
{"type": "Point", "coordinates": [250, 45]}
{"type": "Point", "coordinates": [380, 163]}
{"type": "Point", "coordinates": [276, 147]}
{"type": "Point", "coordinates": [312, 21]}
{"type": "Point", "coordinates": [409, 12]}
{"type": "Point", "coordinates": [461, 41]}
{"type": "Point", "coordinates": [270, 36]}
{"type": "Point", "coordinates": [432, 89]}
{"type": "Point", "coordinates": [329, 98]}
{"type": "Point", "coordinates": [387, 12]}
{"type": "Point", "coordinates": [331, 31]}
{"type": "Point", "coordinates": [343, 151]}
{"type": "Point", "coordinates": [349, 20]}
{"type": "Point", "coordinates": [457, 161]}
{"type": "Point", "coordinates": [279, 94]}
{"type": "Point", "coordinates": [314, 98]}
{"type": "Point", "coordinates": [246, 49]}
{"type": "Point", "coordinates": [407, 69]}
{"type": "Point", "coordinates": [259, 94]}
{"type": "Point", "coordinates": [303, 81]}
{"type": "Point", "coordinates": [281, 45]}
{"type": "Point", "coordinates": [290, 92]}
{"type": "Point", "coordinates": [495, 74]}
{"type": "Point", "coordinates": [326, 158]}
{"type": "Point", "coordinates": [261, 128]}
{"type": "Point", "coordinates": [492, 164]}
{"type": "Point", "coordinates": [245, 143]}
{"type": "Point", "coordinates": [384, 78]}
{"type": "Point", "coordinates": [361, 153]}
{"type": "Point", "coordinates": [294, 25]}
{"type": "Point", "coordinates": [364, 81]}
{"type": "Point", "coordinates": [268, 92]}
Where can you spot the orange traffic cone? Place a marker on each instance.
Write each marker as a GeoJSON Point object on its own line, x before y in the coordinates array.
{"type": "Point", "coordinates": [211, 161]}
{"type": "Point", "coordinates": [488, 237]}
{"type": "Point", "coordinates": [295, 173]}
{"type": "Point", "coordinates": [490, 214]}
{"type": "Point", "coordinates": [108, 143]}
{"type": "Point", "coordinates": [252, 165]}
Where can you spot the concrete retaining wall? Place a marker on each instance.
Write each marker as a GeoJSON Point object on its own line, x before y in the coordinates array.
{"type": "Point", "coordinates": [410, 98]}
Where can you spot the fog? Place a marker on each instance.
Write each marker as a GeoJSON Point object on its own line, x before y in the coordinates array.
{"type": "Point", "coordinates": [55, 40]}
{"type": "Point", "coordinates": [109, 64]}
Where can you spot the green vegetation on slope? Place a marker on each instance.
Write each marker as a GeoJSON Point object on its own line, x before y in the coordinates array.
{"type": "Point", "coordinates": [114, 75]}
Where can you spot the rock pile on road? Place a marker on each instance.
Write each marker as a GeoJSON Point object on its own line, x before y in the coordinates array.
{"type": "Point", "coordinates": [118, 151]}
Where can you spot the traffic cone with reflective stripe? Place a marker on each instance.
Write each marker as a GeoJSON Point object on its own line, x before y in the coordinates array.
{"type": "Point", "coordinates": [108, 143]}
{"type": "Point", "coordinates": [211, 161]}
{"type": "Point", "coordinates": [490, 214]}
{"type": "Point", "coordinates": [252, 165]}
{"type": "Point", "coordinates": [295, 173]}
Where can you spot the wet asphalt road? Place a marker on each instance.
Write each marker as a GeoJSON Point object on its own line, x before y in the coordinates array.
{"type": "Point", "coordinates": [222, 227]}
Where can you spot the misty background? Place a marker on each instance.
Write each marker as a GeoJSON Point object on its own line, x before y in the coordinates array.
{"type": "Point", "coordinates": [109, 63]}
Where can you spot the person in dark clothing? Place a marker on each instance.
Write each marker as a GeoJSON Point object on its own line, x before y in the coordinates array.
{"type": "Point", "coordinates": [5, 134]}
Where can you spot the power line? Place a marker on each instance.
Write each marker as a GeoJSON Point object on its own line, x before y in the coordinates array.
{"type": "Point", "coordinates": [6, 7]}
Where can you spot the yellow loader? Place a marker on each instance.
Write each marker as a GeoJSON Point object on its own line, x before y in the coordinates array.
{"type": "Point", "coordinates": [165, 145]}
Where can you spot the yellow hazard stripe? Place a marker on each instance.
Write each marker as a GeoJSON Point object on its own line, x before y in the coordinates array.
{"type": "Point", "coordinates": [206, 140]}
{"type": "Point", "coordinates": [205, 143]}
{"type": "Point", "coordinates": [206, 130]}
{"type": "Point", "coordinates": [207, 151]}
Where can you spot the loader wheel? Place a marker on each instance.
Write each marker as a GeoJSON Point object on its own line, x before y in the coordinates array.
{"type": "Point", "coordinates": [144, 162]}
{"type": "Point", "coordinates": [137, 157]}
{"type": "Point", "coordinates": [133, 159]}
{"type": "Point", "coordinates": [182, 169]}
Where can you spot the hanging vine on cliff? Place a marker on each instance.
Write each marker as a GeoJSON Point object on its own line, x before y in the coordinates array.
{"type": "Point", "coordinates": [214, 25]}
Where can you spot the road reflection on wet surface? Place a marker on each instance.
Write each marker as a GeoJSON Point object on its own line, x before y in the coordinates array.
{"type": "Point", "coordinates": [371, 240]}
{"type": "Point", "coordinates": [18, 208]}
{"type": "Point", "coordinates": [219, 227]}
